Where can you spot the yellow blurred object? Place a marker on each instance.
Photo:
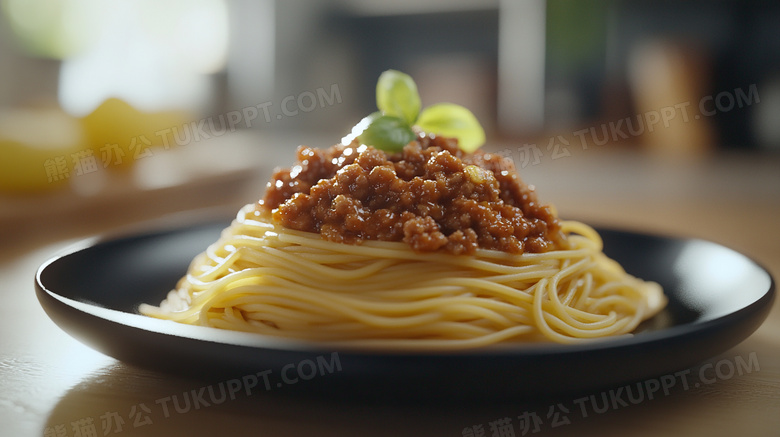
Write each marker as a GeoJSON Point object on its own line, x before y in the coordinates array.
{"type": "Point", "coordinates": [37, 149]}
{"type": "Point", "coordinates": [669, 79]}
{"type": "Point", "coordinates": [121, 134]}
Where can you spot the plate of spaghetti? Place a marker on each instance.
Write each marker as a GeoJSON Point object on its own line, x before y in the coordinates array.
{"type": "Point", "coordinates": [426, 264]}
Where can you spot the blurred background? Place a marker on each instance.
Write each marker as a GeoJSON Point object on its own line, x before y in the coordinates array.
{"type": "Point", "coordinates": [116, 112]}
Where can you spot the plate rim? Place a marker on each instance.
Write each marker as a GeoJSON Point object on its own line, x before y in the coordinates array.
{"type": "Point", "coordinates": [515, 372]}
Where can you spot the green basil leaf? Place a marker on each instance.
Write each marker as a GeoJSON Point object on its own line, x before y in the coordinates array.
{"type": "Point", "coordinates": [451, 120]}
{"type": "Point", "coordinates": [388, 133]}
{"type": "Point", "coordinates": [397, 96]}
{"type": "Point", "coordinates": [361, 126]}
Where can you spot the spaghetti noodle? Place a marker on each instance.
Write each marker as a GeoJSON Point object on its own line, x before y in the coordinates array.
{"type": "Point", "coordinates": [269, 279]}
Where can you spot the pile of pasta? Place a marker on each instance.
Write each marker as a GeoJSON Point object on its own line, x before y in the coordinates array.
{"type": "Point", "coordinates": [263, 278]}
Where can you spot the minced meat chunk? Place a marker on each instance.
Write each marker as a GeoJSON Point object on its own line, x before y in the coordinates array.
{"type": "Point", "coordinates": [431, 195]}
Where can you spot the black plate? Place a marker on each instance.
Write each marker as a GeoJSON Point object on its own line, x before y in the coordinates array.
{"type": "Point", "coordinates": [717, 298]}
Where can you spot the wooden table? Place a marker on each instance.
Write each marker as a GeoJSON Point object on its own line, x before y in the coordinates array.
{"type": "Point", "coordinates": [52, 385]}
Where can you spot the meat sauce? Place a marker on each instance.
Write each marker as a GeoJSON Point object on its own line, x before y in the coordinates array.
{"type": "Point", "coordinates": [432, 196]}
